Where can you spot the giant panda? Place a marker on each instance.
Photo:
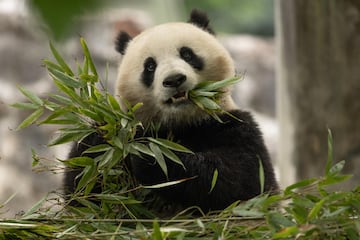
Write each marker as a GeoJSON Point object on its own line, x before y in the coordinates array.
{"type": "Point", "coordinates": [158, 68]}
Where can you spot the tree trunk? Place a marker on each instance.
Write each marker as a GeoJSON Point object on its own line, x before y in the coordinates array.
{"type": "Point", "coordinates": [318, 85]}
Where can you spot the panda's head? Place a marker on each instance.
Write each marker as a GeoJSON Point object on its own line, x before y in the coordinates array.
{"type": "Point", "coordinates": [162, 64]}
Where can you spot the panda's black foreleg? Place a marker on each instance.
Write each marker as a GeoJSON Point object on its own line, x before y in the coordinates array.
{"type": "Point", "coordinates": [196, 191]}
{"type": "Point", "coordinates": [237, 178]}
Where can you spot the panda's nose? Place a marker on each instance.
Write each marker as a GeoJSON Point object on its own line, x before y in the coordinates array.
{"type": "Point", "coordinates": [174, 81]}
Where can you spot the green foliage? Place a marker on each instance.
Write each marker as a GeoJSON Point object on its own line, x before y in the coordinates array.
{"type": "Point", "coordinates": [206, 95]}
{"type": "Point", "coordinates": [83, 109]}
{"type": "Point", "coordinates": [304, 210]}
{"type": "Point", "coordinates": [245, 16]}
{"type": "Point", "coordinates": [60, 16]}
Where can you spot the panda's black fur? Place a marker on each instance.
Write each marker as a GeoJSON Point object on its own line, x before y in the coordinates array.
{"type": "Point", "coordinates": [233, 148]}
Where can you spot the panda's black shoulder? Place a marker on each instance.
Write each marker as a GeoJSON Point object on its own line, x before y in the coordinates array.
{"type": "Point", "coordinates": [231, 120]}
{"type": "Point", "coordinates": [241, 119]}
{"type": "Point", "coordinates": [238, 116]}
{"type": "Point", "coordinates": [235, 127]}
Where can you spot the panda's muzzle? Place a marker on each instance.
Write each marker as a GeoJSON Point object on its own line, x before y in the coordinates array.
{"type": "Point", "coordinates": [175, 81]}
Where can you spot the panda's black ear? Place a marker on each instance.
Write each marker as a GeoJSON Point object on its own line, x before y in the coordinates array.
{"type": "Point", "coordinates": [200, 19]}
{"type": "Point", "coordinates": [121, 42]}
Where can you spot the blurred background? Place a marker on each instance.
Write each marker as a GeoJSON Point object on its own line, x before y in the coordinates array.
{"type": "Point", "coordinates": [245, 27]}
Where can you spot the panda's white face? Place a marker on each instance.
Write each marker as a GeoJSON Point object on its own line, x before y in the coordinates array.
{"type": "Point", "coordinates": [162, 64]}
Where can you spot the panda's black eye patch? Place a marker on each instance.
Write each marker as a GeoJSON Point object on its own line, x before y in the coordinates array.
{"type": "Point", "coordinates": [148, 73]}
{"type": "Point", "coordinates": [188, 55]}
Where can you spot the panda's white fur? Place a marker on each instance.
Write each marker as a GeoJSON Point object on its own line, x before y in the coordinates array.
{"type": "Point", "coordinates": [163, 42]}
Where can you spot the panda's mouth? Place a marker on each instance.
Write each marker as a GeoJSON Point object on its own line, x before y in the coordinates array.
{"type": "Point", "coordinates": [179, 97]}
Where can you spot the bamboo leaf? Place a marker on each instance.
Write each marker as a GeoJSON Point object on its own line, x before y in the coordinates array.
{"type": "Point", "coordinates": [31, 96]}
{"type": "Point", "coordinates": [34, 208]}
{"type": "Point", "coordinates": [85, 69]}
{"type": "Point", "coordinates": [197, 93]}
{"type": "Point", "coordinates": [51, 106]}
{"type": "Point", "coordinates": [116, 158]}
{"type": "Point", "coordinates": [278, 220]}
{"type": "Point", "coordinates": [91, 114]}
{"type": "Point", "coordinates": [106, 158]}
{"type": "Point", "coordinates": [90, 186]}
{"type": "Point", "coordinates": [70, 92]}
{"type": "Point", "coordinates": [113, 103]}
{"type": "Point", "coordinates": [314, 212]}
{"type": "Point", "coordinates": [71, 136]}
{"type": "Point", "coordinates": [198, 103]}
{"type": "Point", "coordinates": [334, 179]}
{"type": "Point", "coordinates": [261, 176]}
{"type": "Point", "coordinates": [88, 79]}
{"type": "Point", "coordinates": [172, 156]}
{"type": "Point", "coordinates": [207, 103]}
{"type": "Point", "coordinates": [56, 114]}
{"type": "Point", "coordinates": [167, 184]}
{"type": "Point", "coordinates": [89, 173]}
{"type": "Point", "coordinates": [142, 148]}
{"type": "Point", "coordinates": [216, 85]}
{"type": "Point", "coordinates": [336, 169]}
{"type": "Point", "coordinates": [286, 233]}
{"type": "Point", "coordinates": [169, 144]}
{"type": "Point", "coordinates": [88, 56]}
{"type": "Point", "coordinates": [98, 148]}
{"type": "Point", "coordinates": [99, 109]}
{"type": "Point", "coordinates": [60, 60]}
{"type": "Point", "coordinates": [156, 234]}
{"type": "Point", "coordinates": [159, 157]}
{"type": "Point", "coordinates": [216, 117]}
{"type": "Point", "coordinates": [26, 106]}
{"type": "Point", "coordinates": [60, 122]}
{"type": "Point", "coordinates": [35, 157]}
{"type": "Point", "coordinates": [253, 213]}
{"type": "Point", "coordinates": [117, 199]}
{"type": "Point", "coordinates": [31, 119]}
{"type": "Point", "coordinates": [136, 107]}
{"type": "Point", "coordinates": [201, 86]}
{"type": "Point", "coordinates": [299, 184]}
{"type": "Point", "coordinates": [50, 64]}
{"type": "Point", "coordinates": [214, 180]}
{"type": "Point", "coordinates": [66, 79]}
{"type": "Point", "coordinates": [329, 161]}
{"type": "Point", "coordinates": [79, 161]}
{"type": "Point", "coordinates": [205, 95]}
{"type": "Point", "coordinates": [61, 99]}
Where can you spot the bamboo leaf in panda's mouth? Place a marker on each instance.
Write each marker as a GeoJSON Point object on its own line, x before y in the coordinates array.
{"type": "Point", "coordinates": [206, 95]}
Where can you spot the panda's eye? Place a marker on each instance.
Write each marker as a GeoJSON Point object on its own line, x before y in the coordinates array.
{"type": "Point", "coordinates": [186, 54]}
{"type": "Point", "coordinates": [150, 65]}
